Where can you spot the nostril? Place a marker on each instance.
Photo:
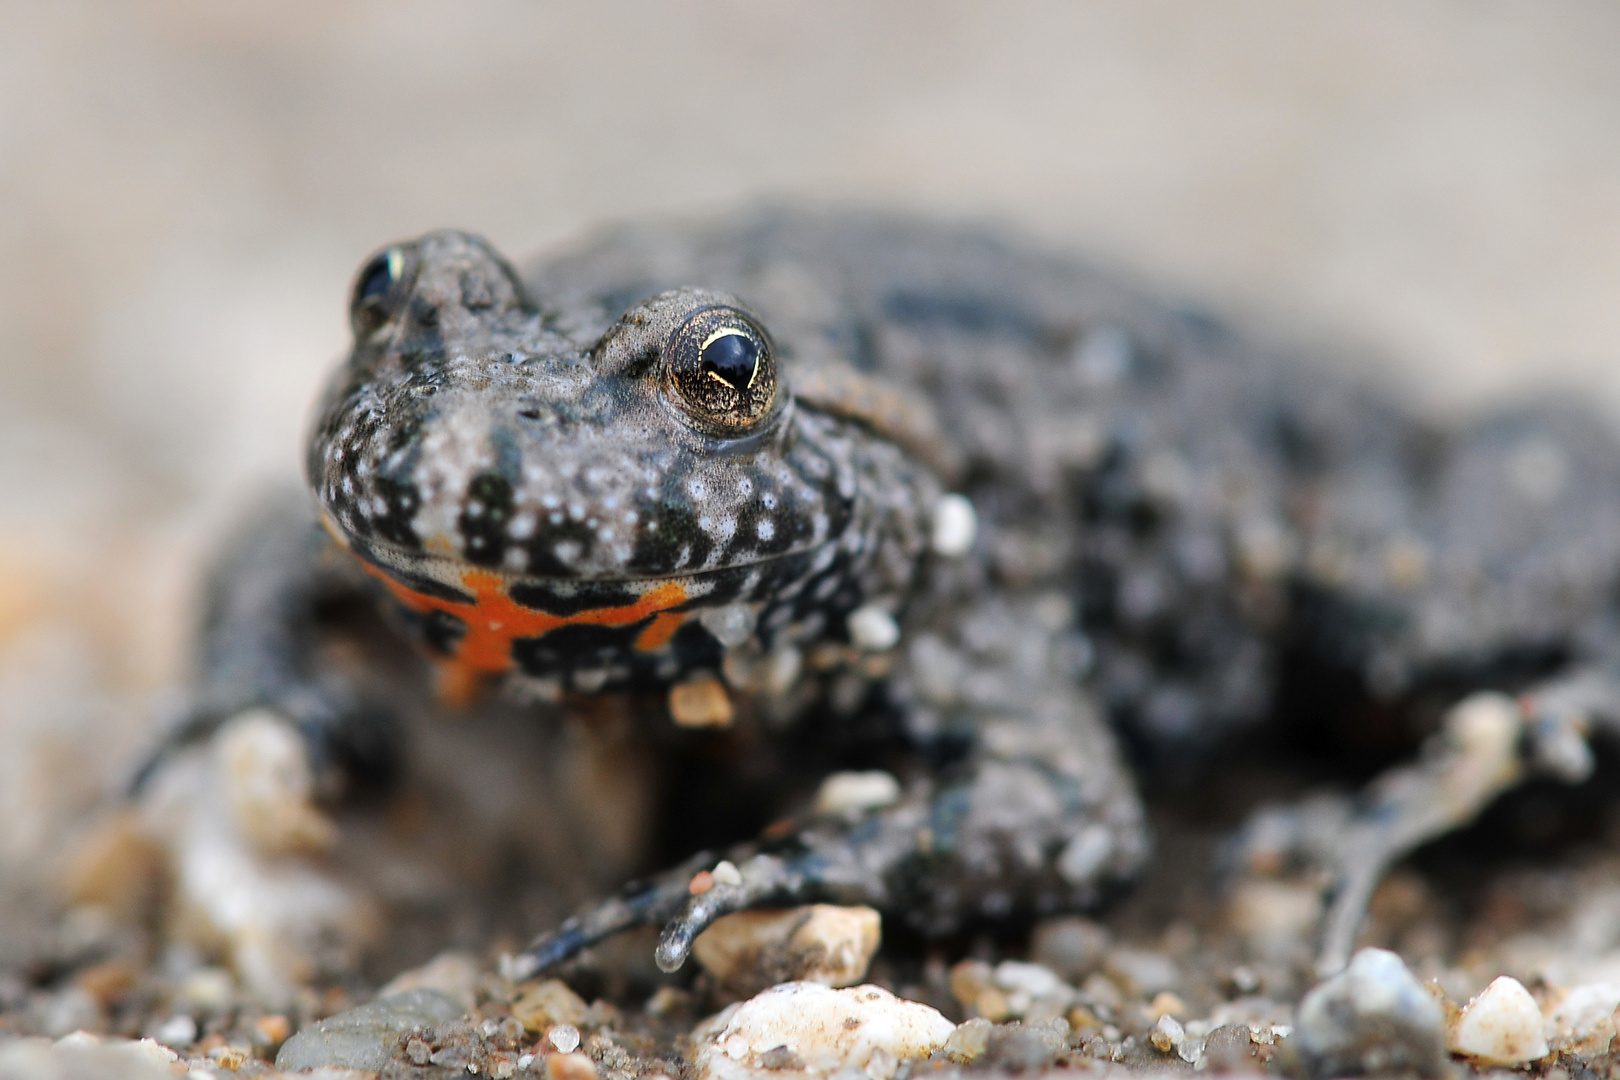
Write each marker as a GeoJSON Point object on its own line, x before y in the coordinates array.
{"type": "Point", "coordinates": [529, 414]}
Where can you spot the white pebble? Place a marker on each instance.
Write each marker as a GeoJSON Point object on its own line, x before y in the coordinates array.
{"type": "Point", "coordinates": [872, 629]}
{"type": "Point", "coordinates": [178, 1030]}
{"type": "Point", "coordinates": [1502, 1026]}
{"type": "Point", "coordinates": [1585, 1013]}
{"type": "Point", "coordinates": [956, 525]}
{"type": "Point", "coordinates": [1036, 980]}
{"type": "Point", "coordinates": [564, 1037]}
{"type": "Point", "coordinates": [725, 872]}
{"type": "Point", "coordinates": [1372, 1016]}
{"type": "Point", "coordinates": [864, 1028]}
{"type": "Point", "coordinates": [857, 791]}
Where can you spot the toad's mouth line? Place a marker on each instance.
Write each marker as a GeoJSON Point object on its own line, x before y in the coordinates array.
{"type": "Point", "coordinates": [416, 568]}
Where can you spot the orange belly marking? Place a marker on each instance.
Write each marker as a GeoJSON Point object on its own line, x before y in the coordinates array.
{"type": "Point", "coordinates": [494, 620]}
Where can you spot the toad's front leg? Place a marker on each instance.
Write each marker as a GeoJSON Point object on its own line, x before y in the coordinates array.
{"type": "Point", "coordinates": [1036, 814]}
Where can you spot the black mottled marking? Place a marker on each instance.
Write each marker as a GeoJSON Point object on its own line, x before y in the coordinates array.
{"type": "Point", "coordinates": [543, 561]}
{"type": "Point", "coordinates": [542, 596]}
{"type": "Point", "coordinates": [442, 632]}
{"type": "Point", "coordinates": [403, 501]}
{"type": "Point", "coordinates": [658, 550]}
{"type": "Point", "coordinates": [420, 583]}
{"type": "Point", "coordinates": [569, 648]}
{"type": "Point", "coordinates": [484, 537]}
{"type": "Point", "coordinates": [694, 648]}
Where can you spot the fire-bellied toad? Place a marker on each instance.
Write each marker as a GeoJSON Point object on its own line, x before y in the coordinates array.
{"type": "Point", "coordinates": [892, 495]}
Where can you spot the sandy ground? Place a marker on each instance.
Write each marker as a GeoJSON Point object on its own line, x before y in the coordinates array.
{"type": "Point", "coordinates": [187, 187]}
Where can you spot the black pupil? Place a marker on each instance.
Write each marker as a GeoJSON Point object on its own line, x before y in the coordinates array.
{"type": "Point", "coordinates": [732, 357]}
{"type": "Point", "coordinates": [375, 281]}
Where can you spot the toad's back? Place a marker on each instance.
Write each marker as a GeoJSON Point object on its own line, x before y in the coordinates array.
{"type": "Point", "coordinates": [1189, 487]}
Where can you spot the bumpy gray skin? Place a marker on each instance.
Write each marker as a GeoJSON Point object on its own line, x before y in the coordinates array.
{"type": "Point", "coordinates": [1173, 525]}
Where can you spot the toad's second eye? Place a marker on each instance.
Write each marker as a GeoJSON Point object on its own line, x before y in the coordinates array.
{"type": "Point", "coordinates": [720, 369]}
{"type": "Point", "coordinates": [373, 288]}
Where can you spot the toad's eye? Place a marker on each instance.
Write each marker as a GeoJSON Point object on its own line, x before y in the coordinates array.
{"type": "Point", "coordinates": [720, 369]}
{"type": "Point", "coordinates": [373, 288]}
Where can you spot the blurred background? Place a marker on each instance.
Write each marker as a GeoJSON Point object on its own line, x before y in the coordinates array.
{"type": "Point", "coordinates": [1431, 189]}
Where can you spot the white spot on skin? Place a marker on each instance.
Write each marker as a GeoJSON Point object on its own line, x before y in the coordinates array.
{"type": "Point", "coordinates": [955, 526]}
{"type": "Point", "coordinates": [873, 629]}
{"type": "Point", "coordinates": [765, 530]}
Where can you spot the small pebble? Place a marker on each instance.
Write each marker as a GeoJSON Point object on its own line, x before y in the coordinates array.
{"type": "Point", "coordinates": [872, 629]}
{"type": "Point", "coordinates": [969, 1041]}
{"type": "Point", "coordinates": [1026, 1047]}
{"type": "Point", "coordinates": [725, 872]}
{"type": "Point", "coordinates": [1231, 1048]}
{"type": "Point", "coordinates": [1276, 919]}
{"type": "Point", "coordinates": [1142, 973]}
{"type": "Point", "coordinates": [365, 1037]}
{"type": "Point", "coordinates": [453, 973]}
{"type": "Point", "coordinates": [209, 989]}
{"type": "Point", "coordinates": [1584, 1015]}
{"type": "Point", "coordinates": [179, 1030]}
{"type": "Point", "coordinates": [701, 702]}
{"type": "Point", "coordinates": [575, 1066]}
{"type": "Point", "coordinates": [1373, 1016]}
{"type": "Point", "coordinates": [864, 1028]}
{"type": "Point", "coordinates": [72, 1009]}
{"type": "Point", "coordinates": [564, 1038]}
{"type": "Point", "coordinates": [824, 943]}
{"type": "Point", "coordinates": [956, 526]}
{"type": "Point", "coordinates": [548, 1004]}
{"type": "Point", "coordinates": [857, 791]}
{"type": "Point", "coordinates": [1167, 1004]}
{"type": "Point", "coordinates": [1036, 980]}
{"type": "Point", "coordinates": [272, 1030]}
{"type": "Point", "coordinates": [1501, 1026]}
{"type": "Point", "coordinates": [1071, 945]}
{"type": "Point", "coordinates": [1167, 1034]}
